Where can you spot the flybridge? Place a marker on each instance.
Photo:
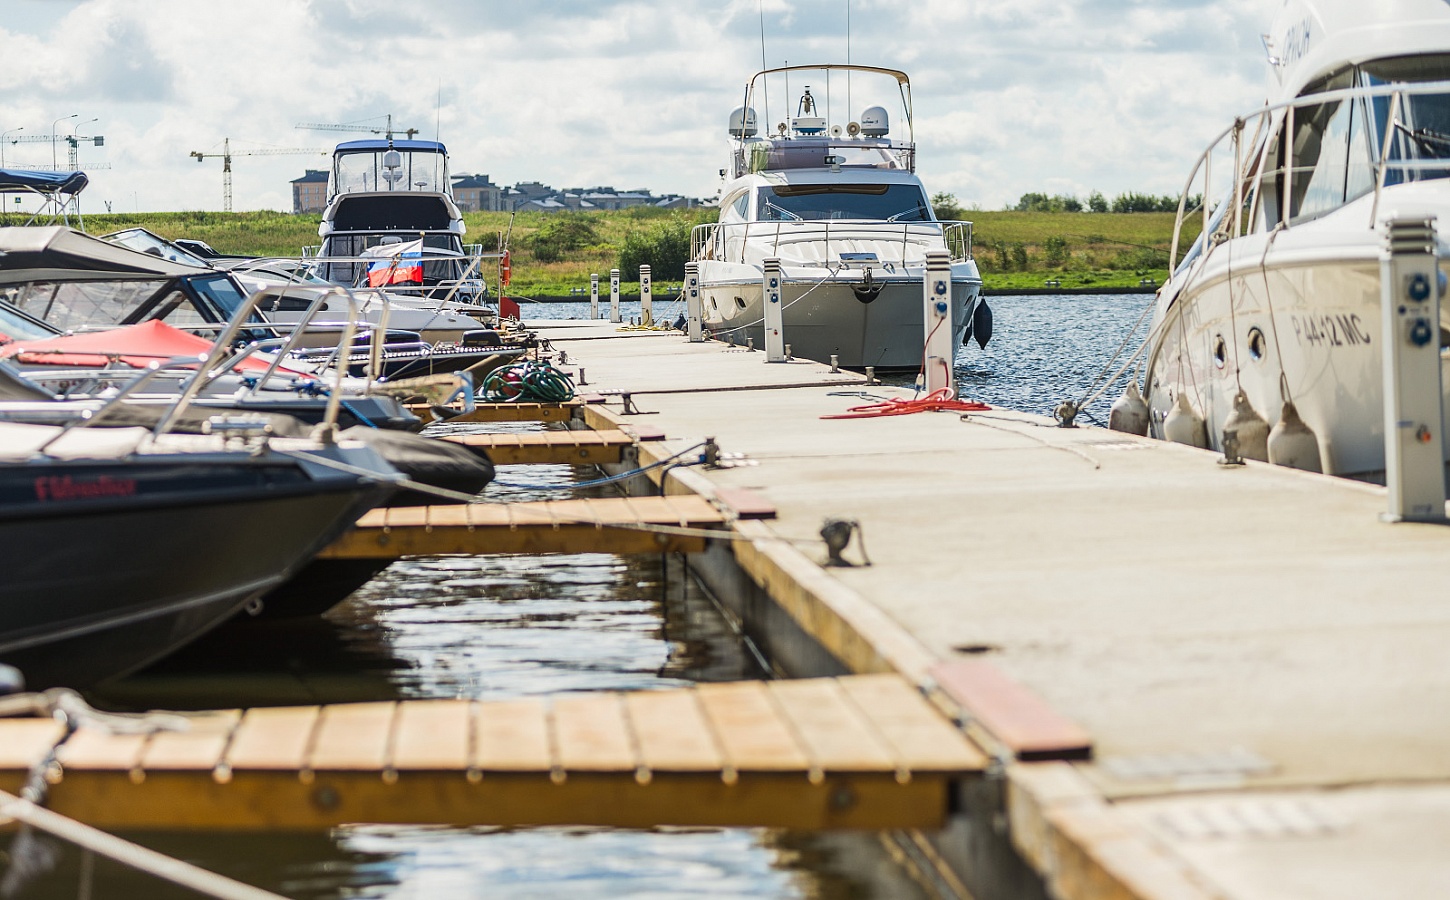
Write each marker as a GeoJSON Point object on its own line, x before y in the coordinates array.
{"type": "Point", "coordinates": [809, 138]}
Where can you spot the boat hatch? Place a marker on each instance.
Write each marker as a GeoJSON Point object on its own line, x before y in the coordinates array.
{"type": "Point", "coordinates": [859, 258]}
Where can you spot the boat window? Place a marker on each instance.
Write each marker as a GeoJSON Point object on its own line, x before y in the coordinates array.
{"type": "Point", "coordinates": [875, 202]}
{"type": "Point", "coordinates": [175, 309]}
{"type": "Point", "coordinates": [364, 171]}
{"type": "Point", "coordinates": [1422, 131]}
{"type": "Point", "coordinates": [18, 327]}
{"type": "Point", "coordinates": [740, 205]}
{"type": "Point", "coordinates": [81, 305]}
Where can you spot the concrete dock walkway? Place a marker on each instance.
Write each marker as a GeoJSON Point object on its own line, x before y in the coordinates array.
{"type": "Point", "coordinates": [1259, 660]}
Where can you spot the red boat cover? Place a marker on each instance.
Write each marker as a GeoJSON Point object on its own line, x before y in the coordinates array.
{"type": "Point", "coordinates": [134, 345]}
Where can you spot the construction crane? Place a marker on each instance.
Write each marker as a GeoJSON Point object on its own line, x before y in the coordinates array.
{"type": "Point", "coordinates": [386, 130]}
{"type": "Point", "coordinates": [73, 141]}
{"type": "Point", "coordinates": [226, 158]}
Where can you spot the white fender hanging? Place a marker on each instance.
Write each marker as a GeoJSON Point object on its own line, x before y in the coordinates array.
{"type": "Point", "coordinates": [1247, 429]}
{"type": "Point", "coordinates": [1184, 426]}
{"type": "Point", "coordinates": [1130, 413]}
{"type": "Point", "coordinates": [1293, 443]}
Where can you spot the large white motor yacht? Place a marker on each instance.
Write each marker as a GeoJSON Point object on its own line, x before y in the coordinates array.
{"type": "Point", "coordinates": [1281, 302]}
{"type": "Point", "coordinates": [840, 206]}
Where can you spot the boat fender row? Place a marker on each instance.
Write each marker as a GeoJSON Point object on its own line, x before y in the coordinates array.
{"type": "Point", "coordinates": [1290, 443]}
{"type": "Point", "coordinates": [979, 326]}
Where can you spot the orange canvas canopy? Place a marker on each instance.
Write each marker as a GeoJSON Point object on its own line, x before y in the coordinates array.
{"type": "Point", "coordinates": [135, 345]}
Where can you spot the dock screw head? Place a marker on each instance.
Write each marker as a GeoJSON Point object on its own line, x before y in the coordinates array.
{"type": "Point", "coordinates": [326, 798]}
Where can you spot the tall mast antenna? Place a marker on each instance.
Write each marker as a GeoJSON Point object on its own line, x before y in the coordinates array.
{"type": "Point", "coordinates": [765, 85]}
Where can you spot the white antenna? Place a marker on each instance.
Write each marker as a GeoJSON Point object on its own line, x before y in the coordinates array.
{"type": "Point", "coordinates": [849, 107]}
{"type": "Point", "coordinates": [765, 84]}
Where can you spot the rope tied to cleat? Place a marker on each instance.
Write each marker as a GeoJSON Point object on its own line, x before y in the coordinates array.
{"type": "Point", "coordinates": [943, 400]}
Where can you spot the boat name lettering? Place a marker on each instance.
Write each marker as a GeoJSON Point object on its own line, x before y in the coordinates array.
{"type": "Point", "coordinates": [1342, 329]}
{"type": "Point", "coordinates": [1295, 42]}
{"type": "Point", "coordinates": [65, 487]}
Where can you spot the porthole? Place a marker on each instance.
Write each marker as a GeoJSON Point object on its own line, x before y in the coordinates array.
{"type": "Point", "coordinates": [740, 302]}
{"type": "Point", "coordinates": [1258, 347]}
{"type": "Point", "coordinates": [1220, 352]}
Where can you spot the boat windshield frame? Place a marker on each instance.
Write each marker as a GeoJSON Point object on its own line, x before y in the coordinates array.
{"type": "Point", "coordinates": [360, 170]}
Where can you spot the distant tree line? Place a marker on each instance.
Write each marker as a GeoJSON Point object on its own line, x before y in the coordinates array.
{"type": "Point", "coordinates": [947, 207]}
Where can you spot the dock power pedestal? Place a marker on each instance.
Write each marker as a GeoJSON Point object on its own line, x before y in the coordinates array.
{"type": "Point", "coordinates": [614, 297]}
{"type": "Point", "coordinates": [694, 304]}
{"type": "Point", "coordinates": [1414, 416]}
{"type": "Point", "coordinates": [936, 320]}
{"type": "Point", "coordinates": [770, 283]}
{"type": "Point", "coordinates": [594, 297]}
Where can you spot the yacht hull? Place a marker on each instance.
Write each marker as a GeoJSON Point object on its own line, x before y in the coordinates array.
{"type": "Point", "coordinates": [1303, 324]}
{"type": "Point", "coordinates": [824, 318]}
{"type": "Point", "coordinates": [109, 566]}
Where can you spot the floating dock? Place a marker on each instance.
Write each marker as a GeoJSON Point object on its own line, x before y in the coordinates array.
{"type": "Point", "coordinates": [857, 752]}
{"type": "Point", "coordinates": [1192, 680]}
{"type": "Point", "coordinates": [1226, 680]}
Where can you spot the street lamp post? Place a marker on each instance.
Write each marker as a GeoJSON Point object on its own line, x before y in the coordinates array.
{"type": "Point", "coordinates": [54, 162]}
{"type": "Point", "coordinates": [4, 135]}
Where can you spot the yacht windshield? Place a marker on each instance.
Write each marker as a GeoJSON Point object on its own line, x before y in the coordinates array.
{"type": "Point", "coordinates": [874, 202]}
{"type": "Point", "coordinates": [82, 305]}
{"type": "Point", "coordinates": [368, 170]}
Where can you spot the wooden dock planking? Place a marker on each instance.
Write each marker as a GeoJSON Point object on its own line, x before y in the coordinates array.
{"type": "Point", "coordinates": [604, 525]}
{"type": "Point", "coordinates": [433, 734]}
{"type": "Point", "coordinates": [505, 412]}
{"type": "Point", "coordinates": [711, 755]}
{"type": "Point", "coordinates": [513, 736]}
{"type": "Point", "coordinates": [572, 447]}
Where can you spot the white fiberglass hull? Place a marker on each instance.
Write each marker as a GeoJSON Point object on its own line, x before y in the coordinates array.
{"type": "Point", "coordinates": [823, 318]}
{"type": "Point", "coordinates": [1304, 313]}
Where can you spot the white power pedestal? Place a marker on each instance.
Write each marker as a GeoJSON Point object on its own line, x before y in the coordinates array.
{"type": "Point", "coordinates": [646, 298]}
{"type": "Point", "coordinates": [694, 304]}
{"type": "Point", "coordinates": [594, 297]}
{"type": "Point", "coordinates": [1414, 417]}
{"type": "Point", "coordinates": [614, 296]}
{"type": "Point", "coordinates": [770, 284]}
{"type": "Point", "coordinates": [937, 323]}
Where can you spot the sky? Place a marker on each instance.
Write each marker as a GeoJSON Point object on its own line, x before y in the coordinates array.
{"type": "Point", "coordinates": [1010, 96]}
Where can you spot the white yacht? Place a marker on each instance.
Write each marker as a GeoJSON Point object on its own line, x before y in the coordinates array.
{"type": "Point", "coordinates": [386, 191]}
{"type": "Point", "coordinates": [1281, 303]}
{"type": "Point", "coordinates": [840, 206]}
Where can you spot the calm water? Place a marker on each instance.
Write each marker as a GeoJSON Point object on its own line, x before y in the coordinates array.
{"type": "Point", "coordinates": [496, 627]}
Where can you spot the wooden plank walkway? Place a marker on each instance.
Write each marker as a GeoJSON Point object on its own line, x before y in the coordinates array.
{"type": "Point", "coordinates": [605, 525]}
{"type": "Point", "coordinates": [576, 446]}
{"type": "Point", "coordinates": [854, 752]}
{"type": "Point", "coordinates": [505, 412]}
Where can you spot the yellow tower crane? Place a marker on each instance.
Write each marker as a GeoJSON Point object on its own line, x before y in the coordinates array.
{"type": "Point", "coordinates": [226, 158]}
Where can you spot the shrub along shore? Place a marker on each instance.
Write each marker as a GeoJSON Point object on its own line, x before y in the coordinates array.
{"type": "Point", "coordinates": [553, 253]}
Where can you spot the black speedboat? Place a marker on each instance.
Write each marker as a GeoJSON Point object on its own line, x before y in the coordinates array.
{"type": "Point", "coordinates": [118, 547]}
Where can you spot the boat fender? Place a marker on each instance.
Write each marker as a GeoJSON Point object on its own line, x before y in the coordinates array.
{"type": "Point", "coordinates": [980, 326]}
{"type": "Point", "coordinates": [1293, 443]}
{"type": "Point", "coordinates": [1184, 426]}
{"type": "Point", "coordinates": [1129, 414]}
{"type": "Point", "coordinates": [1248, 429]}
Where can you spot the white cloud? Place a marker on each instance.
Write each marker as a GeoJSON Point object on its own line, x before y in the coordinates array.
{"type": "Point", "coordinates": [1054, 95]}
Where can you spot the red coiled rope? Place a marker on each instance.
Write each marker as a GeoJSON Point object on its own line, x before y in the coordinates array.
{"type": "Point", "coordinates": [941, 400]}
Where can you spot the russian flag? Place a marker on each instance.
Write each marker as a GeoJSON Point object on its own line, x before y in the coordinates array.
{"type": "Point", "coordinates": [396, 264]}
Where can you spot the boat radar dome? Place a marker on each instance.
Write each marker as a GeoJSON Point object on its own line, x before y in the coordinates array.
{"type": "Point", "coordinates": [874, 122]}
{"type": "Point", "coordinates": [742, 122]}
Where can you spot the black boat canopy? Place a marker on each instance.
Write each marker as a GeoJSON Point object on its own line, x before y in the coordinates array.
{"type": "Point", "coordinates": [28, 180]}
{"type": "Point", "coordinates": [57, 253]}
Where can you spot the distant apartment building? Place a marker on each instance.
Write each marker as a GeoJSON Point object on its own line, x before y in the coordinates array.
{"type": "Point", "coordinates": [309, 193]}
{"type": "Point", "coordinates": [474, 193]}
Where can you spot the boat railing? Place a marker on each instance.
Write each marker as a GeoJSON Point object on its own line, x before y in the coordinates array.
{"type": "Point", "coordinates": [467, 286]}
{"type": "Point", "coordinates": [726, 241]}
{"type": "Point", "coordinates": [1264, 189]}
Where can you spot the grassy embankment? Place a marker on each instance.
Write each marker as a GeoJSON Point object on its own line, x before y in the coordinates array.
{"type": "Point", "coordinates": [1014, 249]}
